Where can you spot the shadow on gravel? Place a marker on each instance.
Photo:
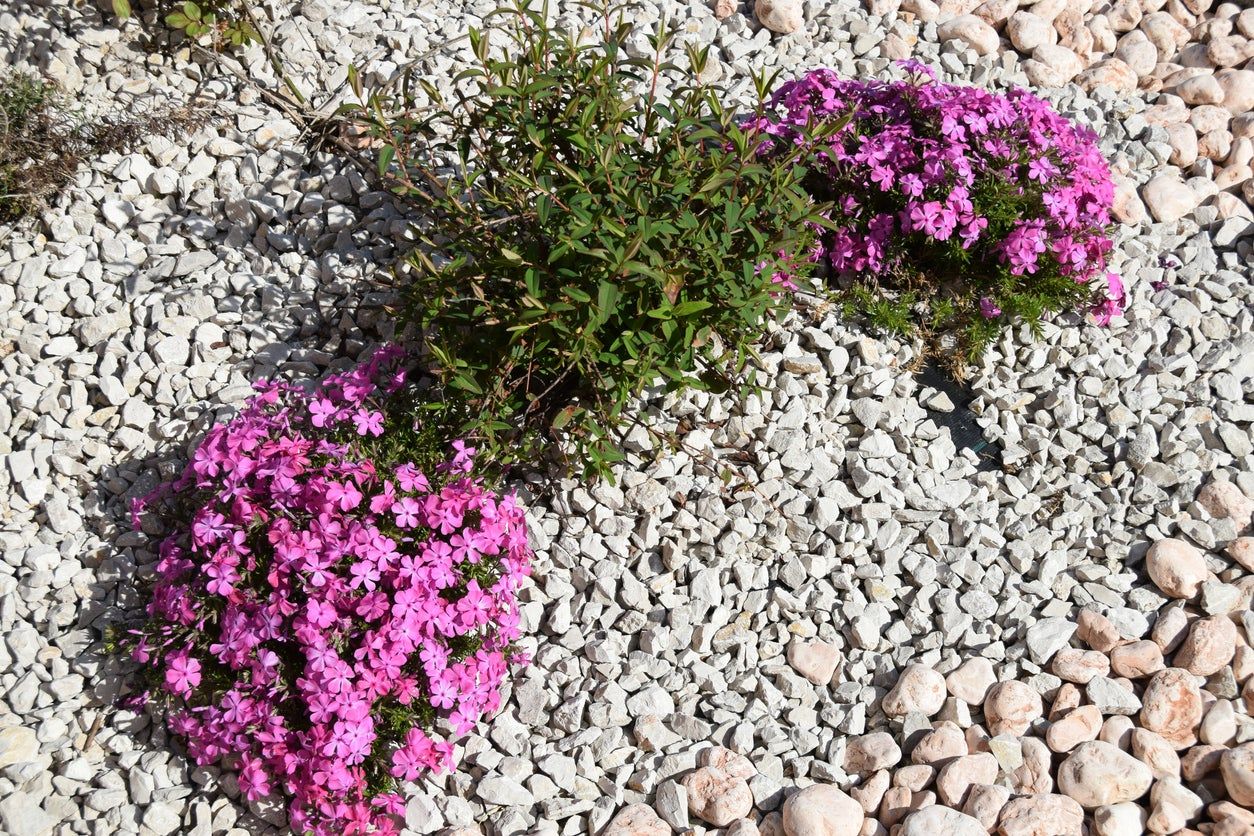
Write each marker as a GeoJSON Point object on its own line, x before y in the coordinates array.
{"type": "Point", "coordinates": [131, 741]}
{"type": "Point", "coordinates": [324, 308]}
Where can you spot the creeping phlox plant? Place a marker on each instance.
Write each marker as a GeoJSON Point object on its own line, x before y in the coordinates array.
{"type": "Point", "coordinates": [322, 603]}
{"type": "Point", "coordinates": [956, 207]}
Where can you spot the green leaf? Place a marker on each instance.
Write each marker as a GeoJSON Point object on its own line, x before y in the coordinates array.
{"type": "Point", "coordinates": [690, 307]}
{"type": "Point", "coordinates": [386, 154]}
{"type": "Point", "coordinates": [122, 9]}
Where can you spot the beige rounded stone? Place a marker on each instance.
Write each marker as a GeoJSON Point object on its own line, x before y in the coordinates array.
{"type": "Point", "coordinates": [1097, 773]}
{"type": "Point", "coordinates": [977, 738]}
{"type": "Point", "coordinates": [1067, 697]}
{"type": "Point", "coordinates": [782, 16]}
{"type": "Point", "coordinates": [1095, 630]}
{"type": "Point", "coordinates": [971, 680]}
{"type": "Point", "coordinates": [1176, 567]}
{"type": "Point", "coordinates": [1219, 724]}
{"type": "Point", "coordinates": [956, 777]}
{"type": "Point", "coordinates": [1228, 51]}
{"type": "Point", "coordinates": [1165, 33]}
{"type": "Point", "coordinates": [984, 804]}
{"type": "Point", "coordinates": [636, 820]}
{"type": "Point", "coordinates": [943, 743]}
{"type": "Point", "coordinates": [1200, 761]}
{"type": "Point", "coordinates": [1137, 660]}
{"type": "Point", "coordinates": [971, 32]}
{"type": "Point", "coordinates": [1011, 707]}
{"type": "Point", "coordinates": [1215, 146]}
{"type": "Point", "coordinates": [1183, 141]}
{"type": "Point", "coordinates": [1208, 647]}
{"type": "Point", "coordinates": [733, 763]}
{"type": "Point", "coordinates": [1124, 14]}
{"type": "Point", "coordinates": [1226, 809]}
{"type": "Point", "coordinates": [1052, 65]}
{"type": "Point", "coordinates": [1042, 815]}
{"type": "Point", "coordinates": [1172, 806]}
{"type": "Point", "coordinates": [1152, 750]}
{"type": "Point", "coordinates": [1238, 90]}
{"type": "Point", "coordinates": [896, 805]}
{"type": "Point", "coordinates": [1137, 51]}
{"type": "Point", "coordinates": [1200, 90]}
{"type": "Point", "coordinates": [919, 688]}
{"type": "Point", "coordinates": [995, 12]}
{"type": "Point", "coordinates": [1170, 628]}
{"type": "Point", "coordinates": [916, 777]}
{"type": "Point", "coordinates": [1237, 767]}
{"type": "Point", "coordinates": [940, 821]}
{"type": "Point", "coordinates": [1080, 725]}
{"type": "Point", "coordinates": [1168, 110]}
{"type": "Point", "coordinates": [870, 793]}
{"type": "Point", "coordinates": [1104, 38]}
{"type": "Point", "coordinates": [1109, 72]}
{"type": "Point", "coordinates": [1242, 551]}
{"type": "Point", "coordinates": [814, 660]}
{"type": "Point", "coordinates": [1035, 776]}
{"type": "Point", "coordinates": [1168, 199]}
{"type": "Point", "coordinates": [1207, 118]}
{"type": "Point", "coordinates": [1243, 663]}
{"type": "Point", "coordinates": [1123, 819]}
{"type": "Point", "coordinates": [718, 798]}
{"type": "Point", "coordinates": [1127, 207]}
{"type": "Point", "coordinates": [1233, 177]}
{"type": "Point", "coordinates": [1027, 31]}
{"type": "Point", "coordinates": [871, 752]}
{"type": "Point", "coordinates": [1117, 731]}
{"type": "Point", "coordinates": [1225, 500]}
{"type": "Point", "coordinates": [1079, 666]}
{"type": "Point", "coordinates": [823, 810]}
{"type": "Point", "coordinates": [925, 10]}
{"type": "Point", "coordinates": [1172, 707]}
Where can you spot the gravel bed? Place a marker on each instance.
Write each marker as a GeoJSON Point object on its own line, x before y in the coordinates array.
{"type": "Point", "coordinates": [832, 507]}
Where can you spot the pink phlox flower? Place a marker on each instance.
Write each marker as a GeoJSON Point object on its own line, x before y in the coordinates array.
{"type": "Point", "coordinates": [182, 673]}
{"type": "Point", "coordinates": [988, 309]}
{"type": "Point", "coordinates": [412, 480]}
{"type": "Point", "coordinates": [368, 422]}
{"type": "Point", "coordinates": [407, 512]}
{"type": "Point", "coordinates": [322, 412]}
{"type": "Point", "coordinates": [384, 500]}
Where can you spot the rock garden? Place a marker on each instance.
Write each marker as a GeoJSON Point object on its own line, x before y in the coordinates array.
{"type": "Point", "coordinates": [783, 418]}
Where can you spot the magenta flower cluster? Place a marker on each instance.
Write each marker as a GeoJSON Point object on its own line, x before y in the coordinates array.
{"type": "Point", "coordinates": [322, 608]}
{"type": "Point", "coordinates": [1000, 185]}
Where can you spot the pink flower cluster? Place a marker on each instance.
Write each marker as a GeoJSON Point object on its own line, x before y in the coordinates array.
{"type": "Point", "coordinates": [317, 609]}
{"type": "Point", "coordinates": [925, 170]}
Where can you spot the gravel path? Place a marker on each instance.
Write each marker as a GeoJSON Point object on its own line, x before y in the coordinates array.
{"type": "Point", "coordinates": [833, 506]}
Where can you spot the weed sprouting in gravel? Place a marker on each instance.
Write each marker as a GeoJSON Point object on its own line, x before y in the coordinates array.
{"type": "Point", "coordinates": [44, 139]}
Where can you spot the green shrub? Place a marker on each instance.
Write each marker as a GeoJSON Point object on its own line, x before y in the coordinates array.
{"type": "Point", "coordinates": [584, 235]}
{"type": "Point", "coordinates": [221, 23]}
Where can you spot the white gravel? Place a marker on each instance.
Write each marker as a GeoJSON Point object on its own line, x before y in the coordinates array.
{"type": "Point", "coordinates": [831, 505]}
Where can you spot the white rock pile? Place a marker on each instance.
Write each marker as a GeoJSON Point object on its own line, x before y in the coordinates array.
{"type": "Point", "coordinates": [1136, 728]}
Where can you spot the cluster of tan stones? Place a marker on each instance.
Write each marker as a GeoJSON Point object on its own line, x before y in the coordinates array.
{"type": "Point", "coordinates": [1137, 734]}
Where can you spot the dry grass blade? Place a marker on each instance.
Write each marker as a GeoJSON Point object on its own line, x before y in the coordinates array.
{"type": "Point", "coordinates": [43, 142]}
